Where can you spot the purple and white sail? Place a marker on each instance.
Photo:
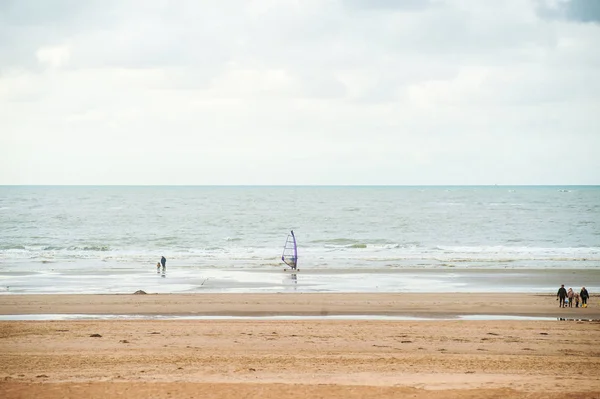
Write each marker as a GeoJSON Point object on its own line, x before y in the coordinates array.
{"type": "Point", "coordinates": [290, 251]}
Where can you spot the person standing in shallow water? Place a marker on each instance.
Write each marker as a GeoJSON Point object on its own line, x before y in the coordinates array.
{"type": "Point", "coordinates": [163, 262]}
{"type": "Point", "coordinates": [561, 294]}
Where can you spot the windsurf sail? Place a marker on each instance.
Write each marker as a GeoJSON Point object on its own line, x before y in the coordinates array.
{"type": "Point", "coordinates": [290, 251]}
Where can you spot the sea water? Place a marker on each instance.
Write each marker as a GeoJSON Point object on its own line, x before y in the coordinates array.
{"type": "Point", "coordinates": [350, 238]}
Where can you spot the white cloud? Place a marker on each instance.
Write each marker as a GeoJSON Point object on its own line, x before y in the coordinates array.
{"type": "Point", "coordinates": [54, 56]}
{"type": "Point", "coordinates": [290, 92]}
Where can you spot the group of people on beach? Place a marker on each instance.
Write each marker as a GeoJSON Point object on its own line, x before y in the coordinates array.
{"type": "Point", "coordinates": [567, 297]}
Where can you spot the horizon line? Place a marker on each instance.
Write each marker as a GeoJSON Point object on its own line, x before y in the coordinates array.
{"type": "Point", "coordinates": [299, 185]}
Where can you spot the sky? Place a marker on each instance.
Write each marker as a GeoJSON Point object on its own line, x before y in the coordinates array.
{"type": "Point", "coordinates": [323, 92]}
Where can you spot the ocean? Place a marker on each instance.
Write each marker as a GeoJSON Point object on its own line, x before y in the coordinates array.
{"type": "Point", "coordinates": [90, 239]}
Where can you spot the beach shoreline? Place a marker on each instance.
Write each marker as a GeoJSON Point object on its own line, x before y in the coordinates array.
{"type": "Point", "coordinates": [192, 280]}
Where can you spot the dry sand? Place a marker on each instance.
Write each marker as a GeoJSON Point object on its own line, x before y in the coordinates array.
{"type": "Point", "coordinates": [417, 305]}
{"type": "Point", "coordinates": [299, 358]}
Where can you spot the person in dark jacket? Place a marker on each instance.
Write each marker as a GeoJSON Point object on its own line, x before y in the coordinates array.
{"type": "Point", "coordinates": [561, 294]}
{"type": "Point", "coordinates": [163, 262]}
{"type": "Point", "coordinates": [584, 296]}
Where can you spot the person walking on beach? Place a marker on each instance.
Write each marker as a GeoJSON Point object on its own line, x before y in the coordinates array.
{"type": "Point", "coordinates": [570, 296]}
{"type": "Point", "coordinates": [163, 261]}
{"type": "Point", "coordinates": [584, 297]}
{"type": "Point", "coordinates": [158, 267]}
{"type": "Point", "coordinates": [561, 294]}
{"type": "Point", "coordinates": [576, 297]}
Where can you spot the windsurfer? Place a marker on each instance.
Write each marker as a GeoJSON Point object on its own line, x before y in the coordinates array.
{"type": "Point", "coordinates": [290, 252]}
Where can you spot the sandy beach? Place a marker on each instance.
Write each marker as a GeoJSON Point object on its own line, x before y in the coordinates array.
{"type": "Point", "coordinates": [436, 305]}
{"type": "Point", "coordinates": [439, 358]}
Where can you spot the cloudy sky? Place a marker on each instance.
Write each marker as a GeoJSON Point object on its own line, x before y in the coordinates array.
{"type": "Point", "coordinates": [300, 92]}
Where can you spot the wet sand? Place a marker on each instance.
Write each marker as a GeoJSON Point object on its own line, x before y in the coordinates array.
{"type": "Point", "coordinates": [97, 279]}
{"type": "Point", "coordinates": [299, 358]}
